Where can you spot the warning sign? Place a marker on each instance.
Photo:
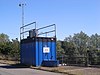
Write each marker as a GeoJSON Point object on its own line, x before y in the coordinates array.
{"type": "Point", "coordinates": [46, 49]}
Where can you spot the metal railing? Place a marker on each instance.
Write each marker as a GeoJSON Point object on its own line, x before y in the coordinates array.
{"type": "Point", "coordinates": [47, 32]}
{"type": "Point", "coordinates": [24, 34]}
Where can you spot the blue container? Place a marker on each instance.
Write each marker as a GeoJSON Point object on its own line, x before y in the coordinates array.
{"type": "Point", "coordinates": [38, 51]}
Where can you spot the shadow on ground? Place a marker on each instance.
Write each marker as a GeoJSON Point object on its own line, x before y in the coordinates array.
{"type": "Point", "coordinates": [14, 66]}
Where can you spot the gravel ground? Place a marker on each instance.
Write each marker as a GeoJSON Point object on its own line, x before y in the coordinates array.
{"type": "Point", "coordinates": [73, 70]}
{"type": "Point", "coordinates": [83, 70]}
{"type": "Point", "coordinates": [6, 69]}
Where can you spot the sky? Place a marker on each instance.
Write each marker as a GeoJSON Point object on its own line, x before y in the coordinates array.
{"type": "Point", "coordinates": [70, 16]}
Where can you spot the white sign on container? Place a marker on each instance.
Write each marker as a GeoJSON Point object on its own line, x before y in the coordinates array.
{"type": "Point", "coordinates": [46, 49]}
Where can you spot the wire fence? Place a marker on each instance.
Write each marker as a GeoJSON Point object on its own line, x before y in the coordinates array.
{"type": "Point", "coordinates": [79, 61]}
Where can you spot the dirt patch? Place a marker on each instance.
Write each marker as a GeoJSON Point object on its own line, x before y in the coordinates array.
{"type": "Point", "coordinates": [8, 62]}
{"type": "Point", "coordinates": [71, 70]}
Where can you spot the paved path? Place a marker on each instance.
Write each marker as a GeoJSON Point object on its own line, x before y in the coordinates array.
{"type": "Point", "coordinates": [10, 70]}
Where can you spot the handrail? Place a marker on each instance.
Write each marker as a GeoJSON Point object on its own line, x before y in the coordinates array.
{"type": "Point", "coordinates": [28, 25]}
{"type": "Point", "coordinates": [38, 30]}
{"type": "Point", "coordinates": [23, 32]}
{"type": "Point", "coordinates": [46, 32]}
{"type": "Point", "coordinates": [46, 27]}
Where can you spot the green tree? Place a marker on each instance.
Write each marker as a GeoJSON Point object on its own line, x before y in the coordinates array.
{"type": "Point", "coordinates": [4, 38]}
{"type": "Point", "coordinates": [4, 46]}
{"type": "Point", "coordinates": [15, 52]}
{"type": "Point", "coordinates": [9, 48]}
{"type": "Point", "coordinates": [60, 50]}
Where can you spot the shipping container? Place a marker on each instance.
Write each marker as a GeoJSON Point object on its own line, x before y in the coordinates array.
{"type": "Point", "coordinates": [38, 51]}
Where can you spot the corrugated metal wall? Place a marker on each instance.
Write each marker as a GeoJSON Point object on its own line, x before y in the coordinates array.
{"type": "Point", "coordinates": [32, 50]}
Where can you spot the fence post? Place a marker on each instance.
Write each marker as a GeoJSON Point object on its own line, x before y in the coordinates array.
{"type": "Point", "coordinates": [62, 59]}
{"type": "Point", "coordinates": [86, 59]}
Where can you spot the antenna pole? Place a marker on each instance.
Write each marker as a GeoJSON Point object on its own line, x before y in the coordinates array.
{"type": "Point", "coordinates": [22, 5]}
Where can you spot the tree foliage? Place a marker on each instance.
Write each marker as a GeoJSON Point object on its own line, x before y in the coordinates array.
{"type": "Point", "coordinates": [81, 45]}
{"type": "Point", "coordinates": [9, 48]}
{"type": "Point", "coordinates": [60, 50]}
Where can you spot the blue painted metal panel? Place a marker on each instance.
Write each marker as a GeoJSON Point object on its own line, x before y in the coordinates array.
{"type": "Point", "coordinates": [21, 53]}
{"type": "Point", "coordinates": [37, 55]}
{"type": "Point", "coordinates": [50, 63]}
{"type": "Point", "coordinates": [44, 55]}
{"type": "Point", "coordinates": [40, 49]}
{"type": "Point", "coordinates": [32, 52]}
{"type": "Point", "coordinates": [54, 50]}
{"type": "Point", "coordinates": [27, 52]}
{"type": "Point", "coordinates": [49, 54]}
